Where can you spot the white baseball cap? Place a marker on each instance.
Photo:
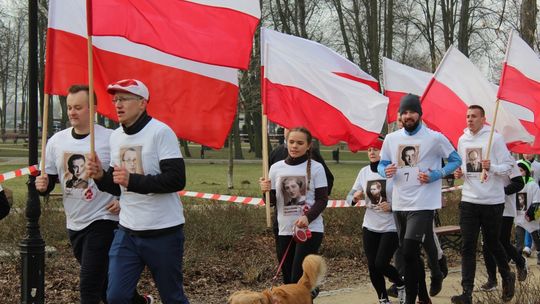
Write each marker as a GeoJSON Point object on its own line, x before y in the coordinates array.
{"type": "Point", "coordinates": [132, 86]}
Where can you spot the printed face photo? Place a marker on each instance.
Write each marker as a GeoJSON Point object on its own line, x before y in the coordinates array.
{"type": "Point", "coordinates": [408, 155]}
{"type": "Point", "coordinates": [130, 158]}
{"type": "Point", "coordinates": [75, 173]}
{"type": "Point", "coordinates": [376, 191]}
{"type": "Point", "coordinates": [294, 190]}
{"type": "Point", "coordinates": [521, 202]}
{"type": "Point", "coordinates": [473, 159]}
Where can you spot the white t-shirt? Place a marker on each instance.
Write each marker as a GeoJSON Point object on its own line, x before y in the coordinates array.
{"type": "Point", "coordinates": [529, 195]}
{"type": "Point", "coordinates": [292, 197]}
{"type": "Point", "coordinates": [65, 157]}
{"type": "Point", "coordinates": [141, 153]}
{"type": "Point", "coordinates": [416, 153]}
{"type": "Point", "coordinates": [373, 185]}
{"type": "Point", "coordinates": [491, 191]}
{"type": "Point", "coordinates": [535, 165]}
{"type": "Point", "coordinates": [510, 200]}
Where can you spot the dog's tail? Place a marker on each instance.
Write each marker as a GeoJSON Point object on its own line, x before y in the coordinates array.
{"type": "Point", "coordinates": [314, 268]}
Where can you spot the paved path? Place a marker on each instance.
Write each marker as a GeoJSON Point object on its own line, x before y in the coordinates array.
{"type": "Point", "coordinates": [365, 294]}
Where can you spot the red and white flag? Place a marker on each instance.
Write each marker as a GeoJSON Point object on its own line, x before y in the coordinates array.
{"type": "Point", "coordinates": [218, 32]}
{"type": "Point", "coordinates": [307, 84]}
{"type": "Point", "coordinates": [198, 101]}
{"type": "Point", "coordinates": [457, 84]}
{"type": "Point", "coordinates": [400, 80]}
{"type": "Point", "coordinates": [520, 88]}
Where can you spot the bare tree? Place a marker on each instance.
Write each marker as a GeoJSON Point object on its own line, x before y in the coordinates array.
{"type": "Point", "coordinates": [529, 11]}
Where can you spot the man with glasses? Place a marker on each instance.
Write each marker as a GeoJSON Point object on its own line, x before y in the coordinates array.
{"type": "Point", "coordinates": [152, 218]}
{"type": "Point", "coordinates": [91, 215]}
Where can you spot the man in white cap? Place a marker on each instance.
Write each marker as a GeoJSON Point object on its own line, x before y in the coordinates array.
{"type": "Point", "coordinates": [91, 215]}
{"type": "Point", "coordinates": [151, 217]}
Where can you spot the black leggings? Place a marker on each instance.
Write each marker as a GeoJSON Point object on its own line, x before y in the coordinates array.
{"type": "Point", "coordinates": [505, 238]}
{"type": "Point", "coordinates": [379, 248]}
{"type": "Point", "coordinates": [292, 266]}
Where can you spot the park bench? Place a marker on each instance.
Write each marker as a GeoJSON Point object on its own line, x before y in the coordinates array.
{"type": "Point", "coordinates": [449, 235]}
{"type": "Point", "coordinates": [14, 136]}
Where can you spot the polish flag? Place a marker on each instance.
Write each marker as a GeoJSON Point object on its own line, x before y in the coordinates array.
{"type": "Point", "coordinates": [198, 101]}
{"type": "Point", "coordinates": [520, 88]}
{"type": "Point", "coordinates": [400, 80]}
{"type": "Point", "coordinates": [307, 84]}
{"type": "Point", "coordinates": [218, 32]}
{"type": "Point", "coordinates": [457, 84]}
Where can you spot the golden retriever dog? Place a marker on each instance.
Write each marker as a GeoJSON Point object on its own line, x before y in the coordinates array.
{"type": "Point", "coordinates": [300, 293]}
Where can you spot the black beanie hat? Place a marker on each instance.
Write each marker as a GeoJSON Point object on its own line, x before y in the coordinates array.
{"type": "Point", "coordinates": [410, 102]}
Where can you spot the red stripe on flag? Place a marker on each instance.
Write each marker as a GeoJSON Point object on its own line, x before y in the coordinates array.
{"type": "Point", "coordinates": [213, 35]}
{"type": "Point", "coordinates": [196, 107]}
{"type": "Point", "coordinates": [371, 83]}
{"type": "Point", "coordinates": [393, 104]}
{"type": "Point", "coordinates": [444, 111]}
{"type": "Point", "coordinates": [517, 88]}
{"type": "Point", "coordinates": [291, 107]}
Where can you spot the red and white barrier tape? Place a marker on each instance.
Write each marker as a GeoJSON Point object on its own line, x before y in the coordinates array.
{"type": "Point", "coordinates": [19, 172]}
{"type": "Point", "coordinates": [227, 198]}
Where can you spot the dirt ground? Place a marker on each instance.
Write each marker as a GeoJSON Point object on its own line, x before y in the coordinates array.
{"type": "Point", "coordinates": [365, 293]}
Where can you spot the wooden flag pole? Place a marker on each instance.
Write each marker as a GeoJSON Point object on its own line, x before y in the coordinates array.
{"type": "Point", "coordinates": [90, 76]}
{"type": "Point", "coordinates": [44, 131]}
{"type": "Point", "coordinates": [483, 176]}
{"type": "Point", "coordinates": [265, 137]}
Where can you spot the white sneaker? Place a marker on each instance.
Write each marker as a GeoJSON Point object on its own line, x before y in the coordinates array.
{"type": "Point", "coordinates": [402, 294]}
{"type": "Point", "coordinates": [527, 251]}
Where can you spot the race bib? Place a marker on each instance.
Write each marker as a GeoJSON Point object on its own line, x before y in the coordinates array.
{"type": "Point", "coordinates": [407, 176]}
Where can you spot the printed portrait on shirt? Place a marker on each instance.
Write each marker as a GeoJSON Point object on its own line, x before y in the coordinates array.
{"type": "Point", "coordinates": [74, 171]}
{"type": "Point", "coordinates": [130, 158]}
{"type": "Point", "coordinates": [291, 193]}
{"type": "Point", "coordinates": [473, 160]}
{"type": "Point", "coordinates": [408, 155]}
{"type": "Point", "coordinates": [376, 193]}
{"type": "Point", "coordinates": [521, 201]}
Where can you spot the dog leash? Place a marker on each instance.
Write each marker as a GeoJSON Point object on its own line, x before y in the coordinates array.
{"type": "Point", "coordinates": [281, 263]}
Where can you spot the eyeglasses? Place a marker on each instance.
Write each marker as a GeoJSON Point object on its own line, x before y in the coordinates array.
{"type": "Point", "coordinates": [124, 99]}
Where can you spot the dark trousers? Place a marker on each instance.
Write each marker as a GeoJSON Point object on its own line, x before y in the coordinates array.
{"type": "Point", "coordinates": [511, 252]}
{"type": "Point", "coordinates": [91, 249]}
{"type": "Point", "coordinates": [520, 238]}
{"type": "Point", "coordinates": [379, 248]}
{"type": "Point", "coordinates": [472, 217]}
{"type": "Point", "coordinates": [413, 227]}
{"type": "Point", "coordinates": [292, 266]}
{"type": "Point", "coordinates": [162, 254]}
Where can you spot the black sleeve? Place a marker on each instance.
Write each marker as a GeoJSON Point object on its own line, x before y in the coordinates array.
{"type": "Point", "coordinates": [279, 153]}
{"type": "Point", "coordinates": [273, 198]}
{"type": "Point", "coordinates": [171, 179]}
{"type": "Point", "coordinates": [329, 176]}
{"type": "Point", "coordinates": [4, 205]}
{"type": "Point", "coordinates": [321, 200]}
{"type": "Point", "coordinates": [516, 184]}
{"type": "Point", "coordinates": [53, 179]}
{"type": "Point", "coordinates": [106, 183]}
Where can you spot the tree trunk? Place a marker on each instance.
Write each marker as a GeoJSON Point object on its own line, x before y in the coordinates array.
{"type": "Point", "coordinates": [529, 11]}
{"type": "Point", "coordinates": [389, 29]}
{"type": "Point", "coordinates": [236, 140]}
{"type": "Point", "coordinates": [185, 146]}
{"type": "Point", "coordinates": [63, 108]}
{"type": "Point", "coordinates": [230, 184]}
{"type": "Point", "coordinates": [463, 36]}
{"type": "Point", "coordinates": [344, 35]}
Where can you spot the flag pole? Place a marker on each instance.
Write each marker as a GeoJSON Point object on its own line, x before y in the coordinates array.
{"type": "Point", "coordinates": [90, 76]}
{"type": "Point", "coordinates": [265, 135]}
{"type": "Point", "coordinates": [483, 176]}
{"type": "Point", "coordinates": [44, 131]}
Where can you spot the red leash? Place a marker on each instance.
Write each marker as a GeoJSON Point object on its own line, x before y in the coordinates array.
{"type": "Point", "coordinates": [281, 263]}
